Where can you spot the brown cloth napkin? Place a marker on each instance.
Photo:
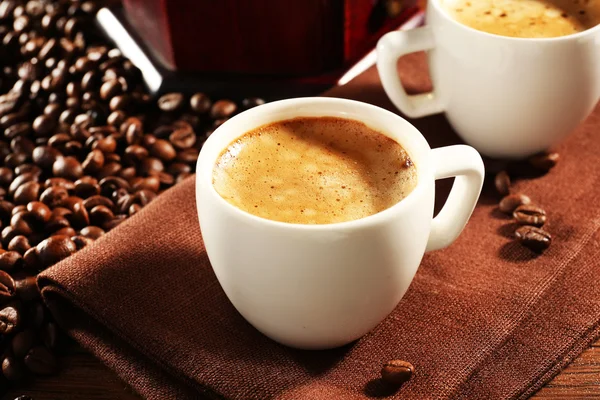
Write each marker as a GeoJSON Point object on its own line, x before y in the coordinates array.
{"type": "Point", "coordinates": [483, 319]}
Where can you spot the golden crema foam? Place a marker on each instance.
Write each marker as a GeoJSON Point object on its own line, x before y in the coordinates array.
{"type": "Point", "coordinates": [526, 18]}
{"type": "Point", "coordinates": [314, 171]}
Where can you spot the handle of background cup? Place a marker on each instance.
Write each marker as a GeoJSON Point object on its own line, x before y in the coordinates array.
{"type": "Point", "coordinates": [389, 49]}
{"type": "Point", "coordinates": [465, 164]}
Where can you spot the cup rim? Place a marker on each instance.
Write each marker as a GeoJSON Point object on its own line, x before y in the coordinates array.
{"type": "Point", "coordinates": [573, 36]}
{"type": "Point", "coordinates": [204, 178]}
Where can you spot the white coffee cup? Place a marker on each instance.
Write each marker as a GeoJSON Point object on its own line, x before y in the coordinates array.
{"type": "Point", "coordinates": [322, 286]}
{"type": "Point", "coordinates": [507, 97]}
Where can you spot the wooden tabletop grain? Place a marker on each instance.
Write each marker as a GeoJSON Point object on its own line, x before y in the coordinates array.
{"type": "Point", "coordinates": [85, 378]}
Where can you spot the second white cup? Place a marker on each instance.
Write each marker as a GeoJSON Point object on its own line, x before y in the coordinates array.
{"type": "Point", "coordinates": [508, 97]}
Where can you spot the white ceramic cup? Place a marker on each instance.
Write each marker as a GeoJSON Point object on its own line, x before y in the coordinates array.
{"type": "Point", "coordinates": [507, 97]}
{"type": "Point", "coordinates": [322, 286]}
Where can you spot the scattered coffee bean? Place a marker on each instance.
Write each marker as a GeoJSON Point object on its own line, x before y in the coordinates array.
{"type": "Point", "coordinates": [12, 368]}
{"type": "Point", "coordinates": [7, 287]}
{"type": "Point", "coordinates": [502, 183]}
{"type": "Point", "coordinates": [10, 319]}
{"type": "Point", "coordinates": [223, 109]}
{"type": "Point", "coordinates": [529, 214]}
{"type": "Point", "coordinates": [170, 102]}
{"type": "Point", "coordinates": [27, 289]}
{"type": "Point", "coordinates": [41, 361]}
{"type": "Point", "coordinates": [544, 162]}
{"type": "Point", "coordinates": [533, 237]}
{"type": "Point", "coordinates": [510, 203]}
{"type": "Point", "coordinates": [397, 372]}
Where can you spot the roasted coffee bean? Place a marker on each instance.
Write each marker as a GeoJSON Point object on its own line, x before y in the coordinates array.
{"type": "Point", "coordinates": [67, 167]}
{"type": "Point", "coordinates": [27, 289]}
{"type": "Point", "coordinates": [82, 241]}
{"type": "Point", "coordinates": [43, 125]}
{"type": "Point", "coordinates": [170, 102]}
{"type": "Point", "coordinates": [134, 153]}
{"type": "Point", "coordinates": [91, 232]}
{"type": "Point", "coordinates": [178, 168]}
{"type": "Point", "coordinates": [110, 89]}
{"type": "Point", "coordinates": [510, 203]}
{"type": "Point", "coordinates": [54, 196]}
{"type": "Point", "coordinates": [6, 176]}
{"type": "Point", "coordinates": [106, 145]}
{"type": "Point", "coordinates": [183, 138]}
{"type": "Point", "coordinates": [397, 372]}
{"type": "Point", "coordinates": [223, 109]}
{"type": "Point", "coordinates": [93, 162]}
{"type": "Point", "coordinates": [54, 249]}
{"type": "Point", "coordinates": [21, 144]}
{"type": "Point", "coordinates": [529, 214]}
{"type": "Point", "coordinates": [133, 209]}
{"type": "Point", "coordinates": [19, 180]}
{"type": "Point", "coordinates": [117, 220]}
{"type": "Point", "coordinates": [166, 180]}
{"type": "Point", "coordinates": [87, 187]}
{"type": "Point", "coordinates": [7, 287]}
{"type": "Point", "coordinates": [143, 197]}
{"type": "Point", "coordinates": [28, 169]}
{"type": "Point", "coordinates": [116, 118]}
{"type": "Point", "coordinates": [12, 368]}
{"type": "Point", "coordinates": [545, 161]}
{"type": "Point", "coordinates": [10, 261]}
{"type": "Point", "coordinates": [97, 200]}
{"type": "Point", "coordinates": [27, 192]}
{"type": "Point", "coordinates": [163, 150]}
{"type": "Point", "coordinates": [252, 102]}
{"type": "Point", "coordinates": [22, 342]}
{"type": "Point", "coordinates": [50, 335]}
{"type": "Point", "coordinates": [60, 182]}
{"type": "Point", "coordinates": [79, 218]}
{"type": "Point", "coordinates": [19, 243]}
{"type": "Point", "coordinates": [151, 183]}
{"type": "Point", "coordinates": [36, 315]}
{"type": "Point", "coordinates": [189, 156]}
{"type": "Point", "coordinates": [41, 361]}
{"type": "Point", "coordinates": [37, 212]}
{"type": "Point", "coordinates": [200, 103]}
{"type": "Point", "coordinates": [10, 319]}
{"type": "Point", "coordinates": [533, 237]}
{"type": "Point", "coordinates": [31, 261]}
{"type": "Point", "coordinates": [100, 215]}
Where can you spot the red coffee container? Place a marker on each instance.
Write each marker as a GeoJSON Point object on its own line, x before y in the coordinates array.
{"type": "Point", "coordinates": [285, 38]}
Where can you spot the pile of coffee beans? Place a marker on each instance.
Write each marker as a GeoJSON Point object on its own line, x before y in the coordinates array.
{"type": "Point", "coordinates": [83, 147]}
{"type": "Point", "coordinates": [530, 217]}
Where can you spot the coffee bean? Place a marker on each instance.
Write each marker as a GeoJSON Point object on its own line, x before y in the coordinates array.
{"type": "Point", "coordinates": [163, 150]}
{"type": "Point", "coordinates": [29, 191]}
{"type": "Point", "coordinates": [183, 138]}
{"type": "Point", "coordinates": [54, 249]}
{"type": "Point", "coordinates": [67, 167]}
{"type": "Point", "coordinates": [223, 109]}
{"type": "Point", "coordinates": [200, 103]}
{"type": "Point", "coordinates": [19, 243]}
{"type": "Point", "coordinates": [106, 145]}
{"type": "Point", "coordinates": [252, 102]}
{"type": "Point", "coordinates": [545, 161]}
{"type": "Point", "coordinates": [7, 287]}
{"type": "Point", "coordinates": [170, 102]}
{"type": "Point", "coordinates": [97, 200]}
{"type": "Point", "coordinates": [110, 89]}
{"type": "Point", "coordinates": [10, 319]}
{"type": "Point", "coordinates": [533, 237]}
{"type": "Point", "coordinates": [397, 372]}
{"type": "Point", "coordinates": [86, 187]}
{"type": "Point", "coordinates": [93, 162]}
{"type": "Point", "coordinates": [45, 156]}
{"type": "Point", "coordinates": [54, 196]}
{"type": "Point", "coordinates": [41, 361]}
{"type": "Point", "coordinates": [31, 260]}
{"type": "Point", "coordinates": [134, 209]}
{"type": "Point", "coordinates": [12, 368]}
{"type": "Point", "coordinates": [10, 261]}
{"type": "Point", "coordinates": [6, 176]}
{"type": "Point", "coordinates": [37, 212]}
{"type": "Point", "coordinates": [22, 342]}
{"type": "Point", "coordinates": [20, 180]}
{"type": "Point", "coordinates": [100, 215]}
{"type": "Point", "coordinates": [510, 203]}
{"type": "Point", "coordinates": [529, 214]}
{"type": "Point", "coordinates": [43, 125]}
{"type": "Point", "coordinates": [92, 232]}
{"type": "Point", "coordinates": [27, 289]}
{"type": "Point", "coordinates": [82, 241]}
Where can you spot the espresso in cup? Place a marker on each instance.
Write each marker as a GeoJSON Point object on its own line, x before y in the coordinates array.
{"type": "Point", "coordinates": [314, 170]}
{"type": "Point", "coordinates": [526, 18]}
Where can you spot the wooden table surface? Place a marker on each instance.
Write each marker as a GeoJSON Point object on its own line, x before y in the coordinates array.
{"type": "Point", "coordinates": [85, 378]}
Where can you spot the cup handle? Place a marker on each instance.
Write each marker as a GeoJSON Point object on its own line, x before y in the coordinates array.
{"type": "Point", "coordinates": [390, 48]}
{"type": "Point", "coordinates": [465, 164]}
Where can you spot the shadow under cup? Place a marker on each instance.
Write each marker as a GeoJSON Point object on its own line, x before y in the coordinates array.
{"type": "Point", "coordinates": [315, 286]}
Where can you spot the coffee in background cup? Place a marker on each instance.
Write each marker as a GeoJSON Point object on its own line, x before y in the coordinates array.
{"type": "Point", "coordinates": [314, 170]}
{"type": "Point", "coordinates": [526, 18]}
